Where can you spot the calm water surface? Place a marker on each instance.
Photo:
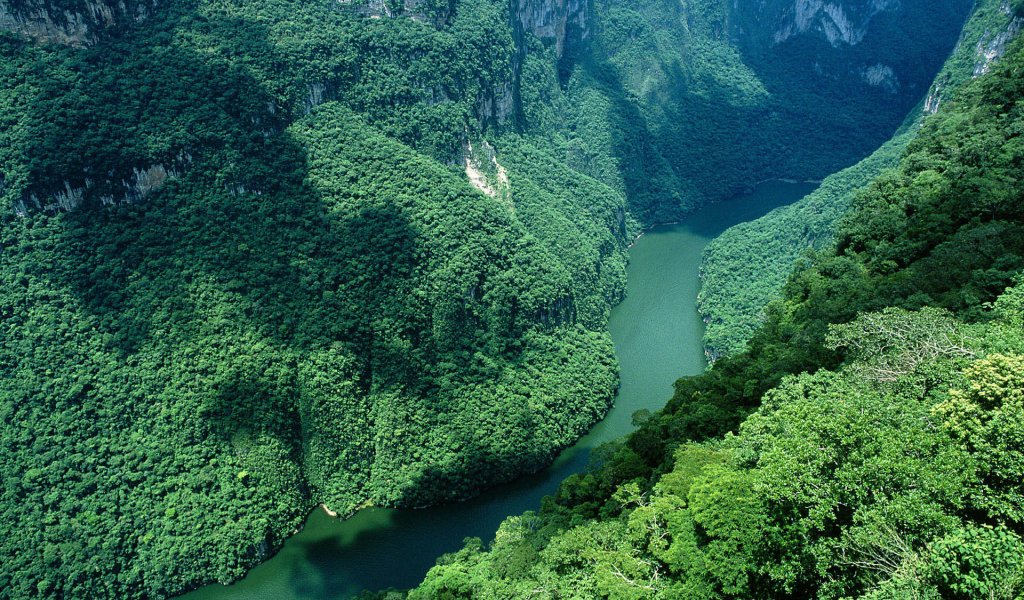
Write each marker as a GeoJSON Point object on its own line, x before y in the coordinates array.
{"type": "Point", "coordinates": [657, 335]}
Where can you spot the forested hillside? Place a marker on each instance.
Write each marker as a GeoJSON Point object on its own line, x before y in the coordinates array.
{"type": "Point", "coordinates": [258, 256]}
{"type": "Point", "coordinates": [867, 444]}
{"type": "Point", "coordinates": [318, 315]}
{"type": "Point", "coordinates": [680, 103]}
{"type": "Point", "coordinates": [745, 267]}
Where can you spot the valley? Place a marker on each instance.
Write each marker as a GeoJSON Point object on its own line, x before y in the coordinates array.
{"type": "Point", "coordinates": [382, 257]}
{"type": "Point", "coordinates": [656, 332]}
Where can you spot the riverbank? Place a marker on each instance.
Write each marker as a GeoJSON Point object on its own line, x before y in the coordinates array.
{"type": "Point", "coordinates": [746, 192]}
{"type": "Point", "coordinates": [657, 334]}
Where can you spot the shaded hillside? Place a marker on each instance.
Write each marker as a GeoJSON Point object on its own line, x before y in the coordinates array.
{"type": "Point", "coordinates": [745, 267]}
{"type": "Point", "coordinates": [867, 444]}
{"type": "Point", "coordinates": [262, 255]}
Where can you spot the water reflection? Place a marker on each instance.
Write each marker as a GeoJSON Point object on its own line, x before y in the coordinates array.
{"type": "Point", "coordinates": [657, 334]}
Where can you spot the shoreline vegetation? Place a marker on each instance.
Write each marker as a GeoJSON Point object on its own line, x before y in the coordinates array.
{"type": "Point", "coordinates": [867, 444]}
{"type": "Point", "coordinates": [491, 508]}
{"type": "Point", "coordinates": [749, 190]}
{"type": "Point", "coordinates": [241, 275]}
{"type": "Point", "coordinates": [747, 266]}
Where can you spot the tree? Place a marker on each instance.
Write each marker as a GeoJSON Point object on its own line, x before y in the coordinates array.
{"type": "Point", "coordinates": [986, 416]}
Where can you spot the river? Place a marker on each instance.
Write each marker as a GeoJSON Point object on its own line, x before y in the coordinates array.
{"type": "Point", "coordinates": [657, 334]}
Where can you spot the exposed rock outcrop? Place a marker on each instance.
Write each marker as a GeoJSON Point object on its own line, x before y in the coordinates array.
{"type": "Point", "coordinates": [987, 48]}
{"type": "Point", "coordinates": [565, 22]}
{"type": "Point", "coordinates": [992, 45]}
{"type": "Point", "coordinates": [134, 187]}
{"type": "Point", "coordinates": [376, 9]}
{"type": "Point", "coordinates": [882, 76]}
{"type": "Point", "coordinates": [485, 173]}
{"type": "Point", "coordinates": [70, 23]}
{"type": "Point", "coordinates": [497, 103]}
{"type": "Point", "coordinates": [931, 103]}
{"type": "Point", "coordinates": [840, 21]}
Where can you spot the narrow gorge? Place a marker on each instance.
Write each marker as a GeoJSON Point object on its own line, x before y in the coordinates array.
{"type": "Point", "coordinates": [260, 257]}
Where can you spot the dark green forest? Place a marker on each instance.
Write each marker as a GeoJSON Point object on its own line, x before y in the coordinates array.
{"type": "Point", "coordinates": [259, 256]}
{"type": "Point", "coordinates": [866, 444]}
{"type": "Point", "coordinates": [745, 267]}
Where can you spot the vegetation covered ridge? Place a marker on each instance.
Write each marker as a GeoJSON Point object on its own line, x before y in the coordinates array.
{"type": "Point", "coordinates": [245, 269]}
{"type": "Point", "coordinates": [309, 308]}
{"type": "Point", "coordinates": [745, 267]}
{"type": "Point", "coordinates": [867, 444]}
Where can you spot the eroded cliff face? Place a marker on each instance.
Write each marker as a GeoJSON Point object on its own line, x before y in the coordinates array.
{"type": "Point", "coordinates": [413, 9]}
{"type": "Point", "coordinates": [70, 23]}
{"type": "Point", "coordinates": [978, 48]}
{"type": "Point", "coordinates": [839, 21]}
{"type": "Point", "coordinates": [992, 44]}
{"type": "Point", "coordinates": [133, 187]}
{"type": "Point", "coordinates": [880, 42]}
{"type": "Point", "coordinates": [564, 22]}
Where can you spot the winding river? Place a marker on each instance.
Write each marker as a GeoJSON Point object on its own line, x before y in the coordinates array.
{"type": "Point", "coordinates": [657, 335]}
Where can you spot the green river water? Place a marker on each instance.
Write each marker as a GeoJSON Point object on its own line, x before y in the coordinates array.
{"type": "Point", "coordinates": [657, 334]}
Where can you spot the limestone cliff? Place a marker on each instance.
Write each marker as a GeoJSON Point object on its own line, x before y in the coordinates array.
{"type": "Point", "coordinates": [758, 256]}
{"type": "Point", "coordinates": [70, 22]}
{"type": "Point", "coordinates": [839, 21]}
{"type": "Point", "coordinates": [874, 40]}
{"type": "Point", "coordinates": [979, 47]}
{"type": "Point", "coordinates": [564, 22]}
{"type": "Point", "coordinates": [992, 44]}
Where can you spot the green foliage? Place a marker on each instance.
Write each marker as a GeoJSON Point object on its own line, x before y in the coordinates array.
{"type": "Point", "coordinates": [745, 267]}
{"type": "Point", "coordinates": [673, 108]}
{"type": "Point", "coordinates": [243, 275]}
{"type": "Point", "coordinates": [978, 562]}
{"type": "Point", "coordinates": [254, 309]}
{"type": "Point", "coordinates": [835, 488]}
{"type": "Point", "coordinates": [858, 478]}
{"type": "Point", "coordinates": [987, 417]}
{"type": "Point", "coordinates": [875, 416]}
{"type": "Point", "coordinates": [892, 344]}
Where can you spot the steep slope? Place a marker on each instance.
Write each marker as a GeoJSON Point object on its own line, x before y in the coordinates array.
{"type": "Point", "coordinates": [262, 255]}
{"type": "Point", "coordinates": [882, 457]}
{"type": "Point", "coordinates": [220, 310]}
{"type": "Point", "coordinates": [678, 104]}
{"type": "Point", "coordinates": [745, 267]}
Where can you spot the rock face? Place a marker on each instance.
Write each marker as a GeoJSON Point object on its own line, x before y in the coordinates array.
{"type": "Point", "coordinates": [499, 102]}
{"type": "Point", "coordinates": [839, 21]}
{"type": "Point", "coordinates": [485, 173]}
{"type": "Point", "coordinates": [134, 187]}
{"type": "Point", "coordinates": [70, 22]}
{"type": "Point", "coordinates": [987, 46]}
{"type": "Point", "coordinates": [565, 22]}
{"type": "Point", "coordinates": [889, 45]}
{"type": "Point", "coordinates": [992, 45]}
{"type": "Point", "coordinates": [880, 75]}
{"type": "Point", "coordinates": [376, 9]}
